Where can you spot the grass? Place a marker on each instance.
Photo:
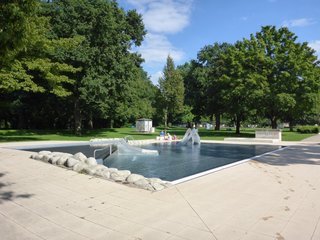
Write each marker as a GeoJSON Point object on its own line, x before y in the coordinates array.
{"type": "Point", "coordinates": [41, 135]}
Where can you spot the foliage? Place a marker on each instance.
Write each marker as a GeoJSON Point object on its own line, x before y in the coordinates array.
{"type": "Point", "coordinates": [268, 75]}
{"type": "Point", "coordinates": [26, 63]}
{"type": "Point", "coordinates": [187, 115]}
{"type": "Point", "coordinates": [242, 87]}
{"type": "Point", "coordinates": [194, 82]}
{"type": "Point", "coordinates": [291, 72]}
{"type": "Point", "coordinates": [74, 58]}
{"type": "Point", "coordinates": [42, 135]}
{"type": "Point", "coordinates": [308, 129]}
{"type": "Point", "coordinates": [213, 64]}
{"type": "Point", "coordinates": [104, 86]}
{"type": "Point", "coordinates": [172, 92]}
{"type": "Point", "coordinates": [71, 64]}
{"type": "Point", "coordinates": [16, 27]}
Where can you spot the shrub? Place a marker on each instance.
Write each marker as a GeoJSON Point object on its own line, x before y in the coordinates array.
{"type": "Point", "coordinates": [308, 129]}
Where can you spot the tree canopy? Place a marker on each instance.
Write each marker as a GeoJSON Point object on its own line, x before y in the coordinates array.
{"type": "Point", "coordinates": [172, 92]}
{"type": "Point", "coordinates": [78, 53]}
{"type": "Point", "coordinates": [269, 75]}
{"type": "Point", "coordinates": [72, 64]}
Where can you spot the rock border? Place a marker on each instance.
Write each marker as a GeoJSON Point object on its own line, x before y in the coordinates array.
{"type": "Point", "coordinates": [82, 164]}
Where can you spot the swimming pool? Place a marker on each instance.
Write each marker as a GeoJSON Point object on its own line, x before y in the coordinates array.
{"type": "Point", "coordinates": [175, 161]}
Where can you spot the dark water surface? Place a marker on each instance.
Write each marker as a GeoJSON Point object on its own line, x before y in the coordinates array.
{"type": "Point", "coordinates": [177, 161]}
{"type": "Point", "coordinates": [174, 161]}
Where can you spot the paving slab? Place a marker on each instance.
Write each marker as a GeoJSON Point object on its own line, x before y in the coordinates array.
{"type": "Point", "coordinates": [275, 196]}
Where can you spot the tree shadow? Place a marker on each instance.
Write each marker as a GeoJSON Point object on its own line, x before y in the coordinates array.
{"type": "Point", "coordinates": [9, 195]}
{"type": "Point", "coordinates": [292, 155]}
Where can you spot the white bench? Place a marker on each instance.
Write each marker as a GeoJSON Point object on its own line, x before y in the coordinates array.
{"type": "Point", "coordinates": [261, 136]}
{"type": "Point", "coordinates": [274, 134]}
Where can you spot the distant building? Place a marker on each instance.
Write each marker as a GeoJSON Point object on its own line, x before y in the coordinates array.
{"type": "Point", "coordinates": [144, 125]}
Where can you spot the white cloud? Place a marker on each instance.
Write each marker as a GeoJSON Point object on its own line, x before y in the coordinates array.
{"type": "Point", "coordinates": [244, 18]}
{"type": "Point", "coordinates": [155, 77]}
{"type": "Point", "coordinates": [161, 17]}
{"type": "Point", "coordinates": [300, 22]}
{"type": "Point", "coordinates": [316, 46]}
{"type": "Point", "coordinates": [156, 48]}
{"type": "Point", "coordinates": [164, 16]}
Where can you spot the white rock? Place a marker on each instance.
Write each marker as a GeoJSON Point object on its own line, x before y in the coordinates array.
{"type": "Point", "coordinates": [71, 162]}
{"type": "Point", "coordinates": [46, 157]}
{"type": "Point", "coordinates": [112, 170]}
{"type": "Point", "coordinates": [157, 186]}
{"type": "Point", "coordinates": [33, 156]}
{"type": "Point", "coordinates": [79, 167]}
{"type": "Point", "coordinates": [134, 177]}
{"type": "Point", "coordinates": [54, 159]}
{"type": "Point", "coordinates": [155, 180]}
{"type": "Point", "coordinates": [103, 174]}
{"type": "Point", "coordinates": [91, 161]}
{"type": "Point", "coordinates": [120, 176]}
{"type": "Point", "coordinates": [144, 183]}
{"type": "Point", "coordinates": [38, 157]}
{"type": "Point", "coordinates": [80, 156]}
{"type": "Point", "coordinates": [44, 152]}
{"type": "Point", "coordinates": [62, 160]}
{"type": "Point", "coordinates": [57, 154]}
{"type": "Point", "coordinates": [89, 170]}
{"type": "Point", "coordinates": [100, 167]}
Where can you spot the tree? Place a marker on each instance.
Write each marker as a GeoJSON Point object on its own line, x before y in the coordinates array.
{"type": "Point", "coordinates": [16, 20]}
{"type": "Point", "coordinates": [26, 51]}
{"type": "Point", "coordinates": [194, 79]}
{"type": "Point", "coordinates": [108, 66]}
{"type": "Point", "coordinates": [172, 92]}
{"type": "Point", "coordinates": [210, 58]}
{"type": "Point", "coordinates": [290, 71]}
{"type": "Point", "coordinates": [242, 86]}
{"type": "Point", "coordinates": [27, 65]}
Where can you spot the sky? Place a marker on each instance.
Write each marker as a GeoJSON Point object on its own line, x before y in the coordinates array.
{"type": "Point", "coordinates": [180, 28]}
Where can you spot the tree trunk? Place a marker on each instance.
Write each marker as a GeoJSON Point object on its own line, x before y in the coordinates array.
{"type": "Point", "coordinates": [217, 117]}
{"type": "Point", "coordinates": [291, 125]}
{"type": "Point", "coordinates": [90, 122]}
{"type": "Point", "coordinates": [274, 124]}
{"type": "Point", "coordinates": [6, 123]}
{"type": "Point", "coordinates": [77, 117]}
{"type": "Point", "coordinates": [165, 118]}
{"type": "Point", "coordinates": [111, 122]}
{"type": "Point", "coordinates": [21, 121]}
{"type": "Point", "coordinates": [238, 122]}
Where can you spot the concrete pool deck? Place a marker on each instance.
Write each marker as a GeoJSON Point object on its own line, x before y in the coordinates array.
{"type": "Point", "coordinates": [273, 197]}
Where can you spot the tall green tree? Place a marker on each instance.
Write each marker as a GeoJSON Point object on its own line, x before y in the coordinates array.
{"type": "Point", "coordinates": [290, 69]}
{"type": "Point", "coordinates": [242, 86]}
{"type": "Point", "coordinates": [27, 65]}
{"type": "Point", "coordinates": [172, 92]}
{"type": "Point", "coordinates": [26, 52]}
{"type": "Point", "coordinates": [210, 58]}
{"type": "Point", "coordinates": [194, 79]}
{"type": "Point", "coordinates": [16, 27]}
{"type": "Point", "coordinates": [105, 57]}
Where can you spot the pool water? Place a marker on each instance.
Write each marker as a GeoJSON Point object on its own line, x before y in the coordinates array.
{"type": "Point", "coordinates": [177, 161]}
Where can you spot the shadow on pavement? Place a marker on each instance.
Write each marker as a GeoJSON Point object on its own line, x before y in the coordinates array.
{"type": "Point", "coordinates": [9, 195]}
{"type": "Point", "coordinates": [293, 155]}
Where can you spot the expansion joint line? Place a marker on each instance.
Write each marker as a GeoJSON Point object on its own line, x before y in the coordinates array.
{"type": "Point", "coordinates": [315, 228]}
{"type": "Point", "coordinates": [196, 213]}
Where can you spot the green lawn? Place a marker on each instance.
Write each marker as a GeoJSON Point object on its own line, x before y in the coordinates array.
{"type": "Point", "coordinates": [40, 135]}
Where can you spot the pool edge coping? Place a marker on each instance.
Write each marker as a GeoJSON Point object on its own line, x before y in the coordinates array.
{"type": "Point", "coordinates": [198, 175]}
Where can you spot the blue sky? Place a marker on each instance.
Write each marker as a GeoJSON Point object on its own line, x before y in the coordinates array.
{"type": "Point", "coordinates": [182, 27]}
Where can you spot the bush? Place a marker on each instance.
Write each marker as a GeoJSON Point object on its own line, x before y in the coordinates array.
{"type": "Point", "coordinates": [308, 129]}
